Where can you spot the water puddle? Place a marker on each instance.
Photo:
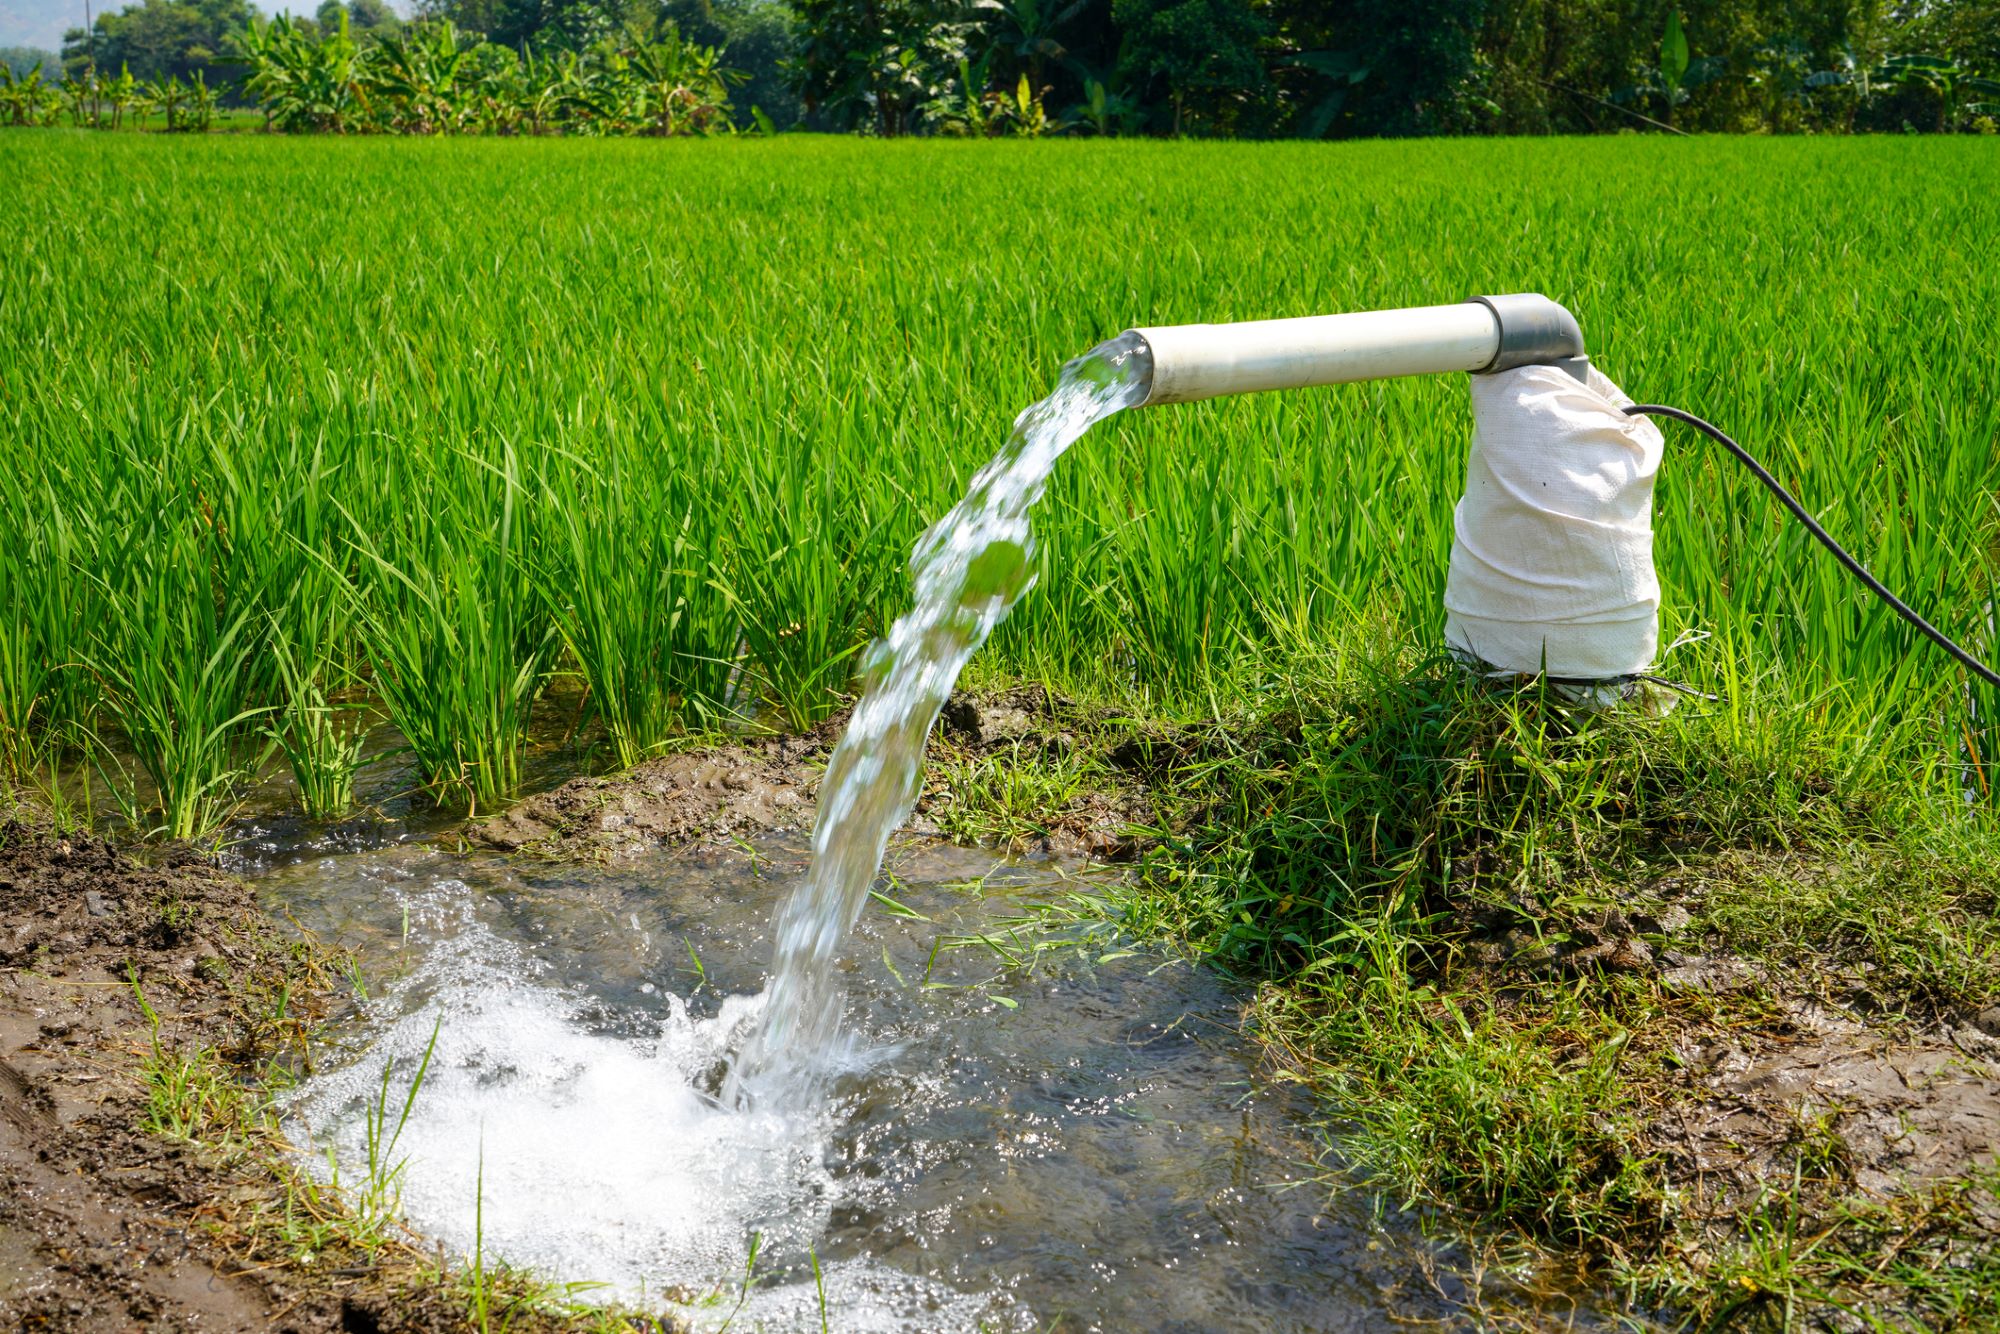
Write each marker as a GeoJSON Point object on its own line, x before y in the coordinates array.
{"type": "Point", "coordinates": [1015, 1139]}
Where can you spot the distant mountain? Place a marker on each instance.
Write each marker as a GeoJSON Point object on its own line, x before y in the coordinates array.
{"type": "Point", "coordinates": [39, 22]}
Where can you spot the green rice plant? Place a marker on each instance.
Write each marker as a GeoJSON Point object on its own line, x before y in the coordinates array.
{"type": "Point", "coordinates": [175, 667]}
{"type": "Point", "coordinates": [459, 641]}
{"type": "Point", "coordinates": [799, 591]}
{"type": "Point", "coordinates": [173, 686]}
{"type": "Point", "coordinates": [39, 627]}
{"type": "Point", "coordinates": [801, 659]}
{"type": "Point", "coordinates": [320, 740]}
{"type": "Point", "coordinates": [271, 524]}
{"type": "Point", "coordinates": [788, 341]}
{"type": "Point", "coordinates": [1182, 603]}
{"type": "Point", "coordinates": [630, 576]}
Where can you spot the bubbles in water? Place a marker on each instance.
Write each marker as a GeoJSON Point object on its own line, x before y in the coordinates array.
{"type": "Point", "coordinates": [968, 571]}
{"type": "Point", "coordinates": [590, 1154]}
{"type": "Point", "coordinates": [1086, 1153]}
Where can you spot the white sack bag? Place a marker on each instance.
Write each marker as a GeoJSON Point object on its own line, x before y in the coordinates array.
{"type": "Point", "coordinates": [1552, 565]}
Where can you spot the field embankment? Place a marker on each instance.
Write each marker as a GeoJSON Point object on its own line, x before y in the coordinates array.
{"type": "Point", "coordinates": [151, 1014]}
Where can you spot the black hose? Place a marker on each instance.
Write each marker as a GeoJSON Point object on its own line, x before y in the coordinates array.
{"type": "Point", "coordinates": [1854, 567]}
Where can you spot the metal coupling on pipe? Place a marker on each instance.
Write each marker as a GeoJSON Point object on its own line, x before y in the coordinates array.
{"type": "Point", "coordinates": [1535, 331]}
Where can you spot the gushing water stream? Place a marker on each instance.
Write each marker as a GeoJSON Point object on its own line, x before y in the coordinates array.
{"type": "Point", "coordinates": [968, 571]}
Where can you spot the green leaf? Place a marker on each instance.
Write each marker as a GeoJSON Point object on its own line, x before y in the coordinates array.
{"type": "Point", "coordinates": [1673, 53]}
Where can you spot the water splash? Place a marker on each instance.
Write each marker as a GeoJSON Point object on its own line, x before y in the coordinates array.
{"type": "Point", "coordinates": [968, 571]}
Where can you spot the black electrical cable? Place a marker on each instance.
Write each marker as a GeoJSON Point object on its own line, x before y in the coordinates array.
{"type": "Point", "coordinates": [1854, 567]}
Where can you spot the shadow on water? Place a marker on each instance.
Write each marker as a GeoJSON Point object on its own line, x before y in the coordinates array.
{"type": "Point", "coordinates": [1021, 1138]}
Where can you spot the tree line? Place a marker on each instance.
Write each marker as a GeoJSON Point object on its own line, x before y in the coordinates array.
{"type": "Point", "coordinates": [1242, 68]}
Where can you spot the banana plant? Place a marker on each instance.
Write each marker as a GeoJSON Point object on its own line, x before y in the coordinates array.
{"type": "Point", "coordinates": [415, 77]}
{"type": "Point", "coordinates": [1026, 30]}
{"type": "Point", "coordinates": [549, 89]}
{"type": "Point", "coordinates": [27, 100]}
{"type": "Point", "coordinates": [305, 84]}
{"type": "Point", "coordinates": [79, 98]}
{"type": "Point", "coordinates": [675, 86]}
{"type": "Point", "coordinates": [495, 89]}
{"type": "Point", "coordinates": [199, 112]}
{"type": "Point", "coordinates": [169, 96]}
{"type": "Point", "coordinates": [1957, 90]}
{"type": "Point", "coordinates": [1674, 63]}
{"type": "Point", "coordinates": [123, 93]}
{"type": "Point", "coordinates": [967, 110]}
{"type": "Point", "coordinates": [429, 80]}
{"type": "Point", "coordinates": [1025, 115]}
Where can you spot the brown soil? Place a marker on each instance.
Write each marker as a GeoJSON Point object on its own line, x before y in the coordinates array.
{"type": "Point", "coordinates": [1769, 1071]}
{"type": "Point", "coordinates": [1883, 1112]}
{"type": "Point", "coordinates": [772, 783]}
{"type": "Point", "coordinates": [106, 1225]}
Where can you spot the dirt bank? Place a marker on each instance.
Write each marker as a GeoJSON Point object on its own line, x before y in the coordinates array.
{"type": "Point", "coordinates": [771, 783]}
{"type": "Point", "coordinates": [1761, 1060]}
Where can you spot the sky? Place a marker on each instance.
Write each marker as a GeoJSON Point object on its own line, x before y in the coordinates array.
{"type": "Point", "coordinates": [43, 22]}
{"type": "Point", "coordinates": [39, 22]}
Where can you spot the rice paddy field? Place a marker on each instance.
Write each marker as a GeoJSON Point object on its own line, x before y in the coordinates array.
{"type": "Point", "coordinates": [289, 422]}
{"type": "Point", "coordinates": [311, 444]}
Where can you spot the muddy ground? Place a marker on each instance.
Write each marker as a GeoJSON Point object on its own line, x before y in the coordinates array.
{"type": "Point", "coordinates": [110, 968]}
{"type": "Point", "coordinates": [768, 784]}
{"type": "Point", "coordinates": [1764, 1059]}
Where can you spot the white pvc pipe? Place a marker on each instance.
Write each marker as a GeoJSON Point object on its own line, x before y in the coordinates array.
{"type": "Point", "coordinates": [1197, 361]}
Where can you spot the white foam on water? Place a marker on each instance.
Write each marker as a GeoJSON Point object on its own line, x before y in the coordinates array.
{"type": "Point", "coordinates": [602, 1161]}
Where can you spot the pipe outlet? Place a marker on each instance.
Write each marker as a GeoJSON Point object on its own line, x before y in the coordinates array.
{"type": "Point", "coordinates": [1191, 362]}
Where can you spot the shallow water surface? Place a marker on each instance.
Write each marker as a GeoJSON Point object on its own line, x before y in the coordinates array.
{"type": "Point", "coordinates": [1074, 1141]}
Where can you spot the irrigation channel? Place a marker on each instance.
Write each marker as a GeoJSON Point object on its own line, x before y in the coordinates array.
{"type": "Point", "coordinates": [896, 1126]}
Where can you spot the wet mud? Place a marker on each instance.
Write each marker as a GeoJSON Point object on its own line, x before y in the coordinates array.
{"type": "Point", "coordinates": [106, 1224]}
{"type": "Point", "coordinates": [769, 785]}
{"type": "Point", "coordinates": [1763, 1068]}
{"type": "Point", "coordinates": [1891, 1112]}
